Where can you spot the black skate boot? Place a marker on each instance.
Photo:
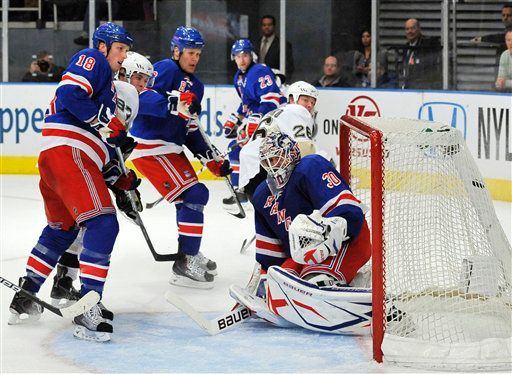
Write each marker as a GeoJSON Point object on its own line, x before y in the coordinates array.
{"type": "Point", "coordinates": [188, 272]}
{"type": "Point", "coordinates": [23, 309]}
{"type": "Point", "coordinates": [63, 293]}
{"type": "Point", "coordinates": [92, 326]}
{"type": "Point", "coordinates": [105, 313]}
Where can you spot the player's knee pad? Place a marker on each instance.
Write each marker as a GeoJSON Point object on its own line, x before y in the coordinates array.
{"type": "Point", "coordinates": [101, 234]}
{"type": "Point", "coordinates": [196, 197]}
{"type": "Point", "coordinates": [54, 243]}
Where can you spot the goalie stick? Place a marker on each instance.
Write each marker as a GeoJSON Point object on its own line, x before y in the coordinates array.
{"type": "Point", "coordinates": [234, 318]}
{"type": "Point", "coordinates": [131, 196]}
{"type": "Point", "coordinates": [82, 305]}
{"type": "Point", "coordinates": [217, 156]}
{"type": "Point", "coordinates": [214, 326]}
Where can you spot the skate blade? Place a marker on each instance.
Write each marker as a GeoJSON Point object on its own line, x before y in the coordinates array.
{"type": "Point", "coordinates": [180, 281]}
{"type": "Point", "coordinates": [23, 318]}
{"type": "Point", "coordinates": [62, 303]}
{"type": "Point", "coordinates": [93, 336]}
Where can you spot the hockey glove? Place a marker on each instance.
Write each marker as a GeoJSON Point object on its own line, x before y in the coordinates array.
{"type": "Point", "coordinates": [114, 176]}
{"type": "Point", "coordinates": [216, 164]}
{"type": "Point", "coordinates": [111, 129]}
{"type": "Point", "coordinates": [248, 127]}
{"type": "Point", "coordinates": [183, 104]}
{"type": "Point", "coordinates": [314, 238]}
{"type": "Point", "coordinates": [124, 203]}
{"type": "Point", "coordinates": [231, 125]}
{"type": "Point", "coordinates": [127, 147]}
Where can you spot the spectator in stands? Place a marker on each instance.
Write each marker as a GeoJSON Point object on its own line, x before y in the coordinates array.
{"type": "Point", "coordinates": [504, 81]}
{"type": "Point", "coordinates": [506, 18]}
{"type": "Point", "coordinates": [332, 76]}
{"type": "Point", "coordinates": [101, 10]}
{"type": "Point", "coordinates": [362, 63]}
{"type": "Point", "coordinates": [420, 60]}
{"type": "Point", "coordinates": [268, 46]}
{"type": "Point", "coordinates": [42, 69]}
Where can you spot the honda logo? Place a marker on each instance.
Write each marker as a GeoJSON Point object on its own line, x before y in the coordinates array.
{"type": "Point", "coordinates": [445, 112]}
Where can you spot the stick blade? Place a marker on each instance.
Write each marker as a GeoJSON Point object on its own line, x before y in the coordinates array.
{"type": "Point", "coordinates": [85, 303]}
{"type": "Point", "coordinates": [189, 310]}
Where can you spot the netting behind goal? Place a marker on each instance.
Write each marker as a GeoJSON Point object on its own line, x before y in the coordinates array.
{"type": "Point", "coordinates": [441, 264]}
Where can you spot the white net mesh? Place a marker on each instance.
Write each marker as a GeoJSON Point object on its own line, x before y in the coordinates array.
{"type": "Point", "coordinates": [447, 262]}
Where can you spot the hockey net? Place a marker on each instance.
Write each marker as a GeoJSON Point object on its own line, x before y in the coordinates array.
{"type": "Point", "coordinates": [441, 263]}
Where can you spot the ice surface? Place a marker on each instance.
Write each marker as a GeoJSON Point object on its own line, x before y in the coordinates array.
{"type": "Point", "coordinates": [150, 335]}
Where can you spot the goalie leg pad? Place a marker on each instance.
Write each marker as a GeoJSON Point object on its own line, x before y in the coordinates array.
{"type": "Point", "coordinates": [335, 310]}
{"type": "Point", "coordinates": [257, 305]}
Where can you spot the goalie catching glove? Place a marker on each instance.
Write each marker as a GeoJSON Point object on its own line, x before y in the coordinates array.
{"type": "Point", "coordinates": [217, 165]}
{"type": "Point", "coordinates": [183, 104]}
{"type": "Point", "coordinates": [314, 238]}
{"type": "Point", "coordinates": [111, 129]}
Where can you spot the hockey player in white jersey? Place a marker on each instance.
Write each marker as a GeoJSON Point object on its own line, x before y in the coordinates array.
{"type": "Point", "coordinates": [296, 119]}
{"type": "Point", "coordinates": [135, 72]}
{"type": "Point", "coordinates": [311, 239]}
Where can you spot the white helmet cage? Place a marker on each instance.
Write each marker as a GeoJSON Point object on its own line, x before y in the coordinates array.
{"type": "Point", "coordinates": [300, 88]}
{"type": "Point", "coordinates": [136, 63]}
{"type": "Point", "coordinates": [278, 156]}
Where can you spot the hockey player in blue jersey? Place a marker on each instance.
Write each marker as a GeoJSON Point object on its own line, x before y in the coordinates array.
{"type": "Point", "coordinates": [136, 71]}
{"type": "Point", "coordinates": [308, 224]}
{"type": "Point", "coordinates": [167, 122]}
{"type": "Point", "coordinates": [256, 86]}
{"type": "Point", "coordinates": [79, 137]}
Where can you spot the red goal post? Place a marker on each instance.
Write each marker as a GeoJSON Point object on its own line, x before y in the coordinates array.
{"type": "Point", "coordinates": [441, 263]}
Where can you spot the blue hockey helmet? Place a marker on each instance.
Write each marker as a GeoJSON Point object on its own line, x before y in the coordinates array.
{"type": "Point", "coordinates": [186, 37]}
{"type": "Point", "coordinates": [242, 46]}
{"type": "Point", "coordinates": [109, 33]}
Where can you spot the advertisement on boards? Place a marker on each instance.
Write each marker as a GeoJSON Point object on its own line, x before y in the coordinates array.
{"type": "Point", "coordinates": [485, 119]}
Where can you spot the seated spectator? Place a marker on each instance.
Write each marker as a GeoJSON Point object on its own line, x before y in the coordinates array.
{"type": "Point", "coordinates": [498, 38]}
{"type": "Point", "coordinates": [421, 59]}
{"type": "Point", "coordinates": [362, 63]}
{"type": "Point", "coordinates": [42, 69]}
{"type": "Point", "coordinates": [504, 81]}
{"type": "Point", "coordinates": [332, 76]}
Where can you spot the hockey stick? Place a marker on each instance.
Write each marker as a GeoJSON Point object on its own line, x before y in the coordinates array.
{"type": "Point", "coordinates": [82, 305]}
{"type": "Point", "coordinates": [161, 198]}
{"type": "Point", "coordinates": [217, 156]}
{"type": "Point", "coordinates": [214, 326]}
{"type": "Point", "coordinates": [247, 243]}
{"type": "Point", "coordinates": [234, 318]}
{"type": "Point", "coordinates": [131, 196]}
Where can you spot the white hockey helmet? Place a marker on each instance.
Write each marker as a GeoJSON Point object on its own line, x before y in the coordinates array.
{"type": "Point", "coordinates": [301, 88]}
{"type": "Point", "coordinates": [136, 63]}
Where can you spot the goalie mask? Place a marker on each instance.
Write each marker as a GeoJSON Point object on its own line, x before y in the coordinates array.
{"type": "Point", "coordinates": [278, 156]}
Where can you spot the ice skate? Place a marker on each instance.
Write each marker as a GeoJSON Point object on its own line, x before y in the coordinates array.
{"type": "Point", "coordinates": [106, 313]}
{"type": "Point", "coordinates": [63, 293]}
{"type": "Point", "coordinates": [188, 272]}
{"type": "Point", "coordinates": [24, 310]}
{"type": "Point", "coordinates": [207, 264]}
{"type": "Point", "coordinates": [229, 203]}
{"type": "Point", "coordinates": [92, 326]}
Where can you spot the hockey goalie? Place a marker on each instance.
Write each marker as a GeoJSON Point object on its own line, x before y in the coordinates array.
{"type": "Point", "coordinates": [311, 239]}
